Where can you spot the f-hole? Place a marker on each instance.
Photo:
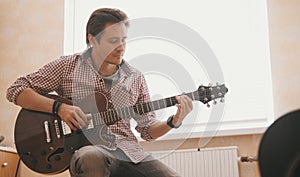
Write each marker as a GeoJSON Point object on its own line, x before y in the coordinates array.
{"type": "Point", "coordinates": [58, 151]}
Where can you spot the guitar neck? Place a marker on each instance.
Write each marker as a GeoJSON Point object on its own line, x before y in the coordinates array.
{"type": "Point", "coordinates": [204, 94]}
{"type": "Point", "coordinates": [160, 104]}
{"type": "Point", "coordinates": [111, 116]}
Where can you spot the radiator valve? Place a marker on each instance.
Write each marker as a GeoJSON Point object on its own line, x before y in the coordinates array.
{"type": "Point", "coordinates": [248, 158]}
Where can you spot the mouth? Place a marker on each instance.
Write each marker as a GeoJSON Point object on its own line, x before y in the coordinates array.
{"type": "Point", "coordinates": [118, 55]}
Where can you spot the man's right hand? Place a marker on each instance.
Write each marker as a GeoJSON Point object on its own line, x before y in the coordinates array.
{"type": "Point", "coordinates": [74, 117]}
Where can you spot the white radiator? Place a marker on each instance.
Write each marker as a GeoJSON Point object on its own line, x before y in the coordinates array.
{"type": "Point", "coordinates": [208, 162]}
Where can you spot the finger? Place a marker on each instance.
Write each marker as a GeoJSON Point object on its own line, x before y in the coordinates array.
{"type": "Point", "coordinates": [179, 107]}
{"type": "Point", "coordinates": [80, 120]}
{"type": "Point", "coordinates": [73, 124]}
{"type": "Point", "coordinates": [187, 101]}
{"type": "Point", "coordinates": [178, 98]}
{"type": "Point", "coordinates": [82, 115]}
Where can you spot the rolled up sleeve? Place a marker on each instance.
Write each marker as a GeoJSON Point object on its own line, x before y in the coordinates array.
{"type": "Point", "coordinates": [43, 81]}
{"type": "Point", "coordinates": [144, 124]}
{"type": "Point", "coordinates": [144, 121]}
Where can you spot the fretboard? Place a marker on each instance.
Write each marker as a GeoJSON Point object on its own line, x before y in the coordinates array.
{"type": "Point", "coordinates": [111, 116]}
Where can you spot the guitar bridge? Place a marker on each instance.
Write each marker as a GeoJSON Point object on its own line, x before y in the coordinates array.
{"type": "Point", "coordinates": [65, 128]}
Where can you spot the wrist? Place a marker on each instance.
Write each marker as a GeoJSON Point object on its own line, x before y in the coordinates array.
{"type": "Point", "coordinates": [55, 107]}
{"type": "Point", "coordinates": [171, 122]}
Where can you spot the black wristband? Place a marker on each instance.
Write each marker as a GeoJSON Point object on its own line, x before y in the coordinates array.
{"type": "Point", "coordinates": [169, 122]}
{"type": "Point", "coordinates": [56, 106]}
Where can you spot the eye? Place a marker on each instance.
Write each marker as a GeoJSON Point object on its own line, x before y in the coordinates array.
{"type": "Point", "coordinates": [124, 40]}
{"type": "Point", "coordinates": [113, 40]}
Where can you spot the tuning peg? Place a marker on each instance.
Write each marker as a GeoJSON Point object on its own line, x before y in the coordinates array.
{"type": "Point", "coordinates": [214, 102]}
{"type": "Point", "coordinates": [222, 100]}
{"type": "Point", "coordinates": [210, 84]}
{"type": "Point", "coordinates": [220, 94]}
{"type": "Point", "coordinates": [207, 104]}
{"type": "Point", "coordinates": [212, 96]}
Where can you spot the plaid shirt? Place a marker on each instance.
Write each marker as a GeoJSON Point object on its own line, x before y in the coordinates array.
{"type": "Point", "coordinates": [74, 77]}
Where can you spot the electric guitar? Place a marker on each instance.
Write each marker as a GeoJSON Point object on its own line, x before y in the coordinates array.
{"type": "Point", "coordinates": [46, 144]}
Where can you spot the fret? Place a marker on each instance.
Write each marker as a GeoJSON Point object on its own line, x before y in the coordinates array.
{"type": "Point", "coordinates": [118, 117]}
{"type": "Point", "coordinates": [102, 115]}
{"type": "Point", "coordinates": [100, 120]}
{"type": "Point", "coordinates": [164, 101]}
{"type": "Point", "coordinates": [145, 108]}
{"type": "Point", "coordinates": [113, 119]}
{"type": "Point", "coordinates": [132, 111]}
{"type": "Point", "coordinates": [105, 116]}
{"type": "Point", "coordinates": [109, 116]}
{"type": "Point", "coordinates": [128, 111]}
{"type": "Point", "coordinates": [148, 107]}
{"type": "Point", "coordinates": [152, 106]}
{"type": "Point", "coordinates": [158, 106]}
{"type": "Point", "coordinates": [138, 109]}
{"type": "Point", "coordinates": [97, 121]}
{"type": "Point", "coordinates": [171, 102]}
{"type": "Point", "coordinates": [193, 96]}
{"type": "Point", "coordinates": [143, 111]}
{"type": "Point", "coordinates": [123, 113]}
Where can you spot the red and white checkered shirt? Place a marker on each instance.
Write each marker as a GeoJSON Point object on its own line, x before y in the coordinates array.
{"type": "Point", "coordinates": [74, 77]}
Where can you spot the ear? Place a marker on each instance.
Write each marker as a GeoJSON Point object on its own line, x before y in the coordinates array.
{"type": "Point", "coordinates": [92, 39]}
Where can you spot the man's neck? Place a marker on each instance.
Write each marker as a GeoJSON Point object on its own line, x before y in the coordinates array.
{"type": "Point", "coordinates": [107, 69]}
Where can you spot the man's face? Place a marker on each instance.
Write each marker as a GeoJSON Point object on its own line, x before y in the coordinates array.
{"type": "Point", "coordinates": [111, 47]}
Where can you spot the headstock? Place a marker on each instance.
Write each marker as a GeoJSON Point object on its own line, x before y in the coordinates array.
{"type": "Point", "coordinates": [211, 93]}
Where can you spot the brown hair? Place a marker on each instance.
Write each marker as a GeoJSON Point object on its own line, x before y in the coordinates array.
{"type": "Point", "coordinates": [100, 17]}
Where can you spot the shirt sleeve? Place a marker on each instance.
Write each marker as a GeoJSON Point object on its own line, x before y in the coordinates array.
{"type": "Point", "coordinates": [147, 119]}
{"type": "Point", "coordinates": [43, 81]}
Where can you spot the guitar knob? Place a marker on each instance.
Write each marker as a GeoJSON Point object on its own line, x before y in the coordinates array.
{"type": "Point", "coordinates": [48, 166]}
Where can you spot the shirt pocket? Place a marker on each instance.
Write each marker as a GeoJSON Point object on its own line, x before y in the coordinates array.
{"type": "Point", "coordinates": [123, 97]}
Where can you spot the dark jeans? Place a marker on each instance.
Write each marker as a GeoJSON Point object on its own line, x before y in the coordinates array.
{"type": "Point", "coordinates": [92, 161]}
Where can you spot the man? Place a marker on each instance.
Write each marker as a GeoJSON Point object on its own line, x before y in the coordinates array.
{"type": "Point", "coordinates": [101, 69]}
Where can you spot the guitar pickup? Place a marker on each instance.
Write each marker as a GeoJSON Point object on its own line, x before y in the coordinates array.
{"type": "Point", "coordinates": [47, 132]}
{"type": "Point", "coordinates": [57, 129]}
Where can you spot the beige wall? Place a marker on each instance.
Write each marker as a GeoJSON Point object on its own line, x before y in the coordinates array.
{"type": "Point", "coordinates": [284, 17]}
{"type": "Point", "coordinates": [32, 34]}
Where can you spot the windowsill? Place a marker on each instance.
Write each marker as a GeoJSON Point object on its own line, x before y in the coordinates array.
{"type": "Point", "coordinates": [230, 128]}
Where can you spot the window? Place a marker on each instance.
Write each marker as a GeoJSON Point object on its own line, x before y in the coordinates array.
{"type": "Point", "coordinates": [180, 45]}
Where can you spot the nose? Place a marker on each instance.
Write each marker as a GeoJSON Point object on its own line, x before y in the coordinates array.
{"type": "Point", "coordinates": [121, 46]}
